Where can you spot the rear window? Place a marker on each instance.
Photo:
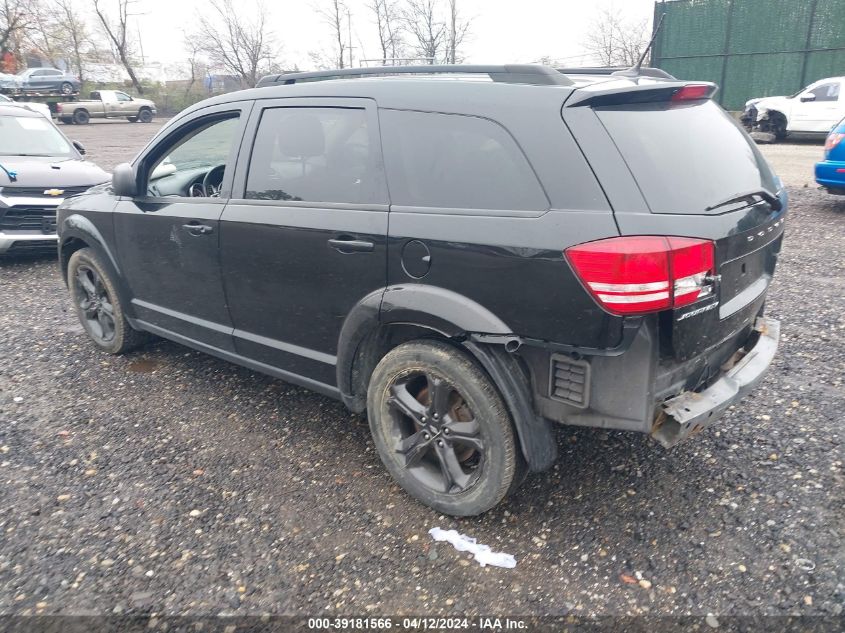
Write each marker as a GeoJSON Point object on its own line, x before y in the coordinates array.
{"type": "Point", "coordinates": [455, 161]}
{"type": "Point", "coordinates": [686, 157]}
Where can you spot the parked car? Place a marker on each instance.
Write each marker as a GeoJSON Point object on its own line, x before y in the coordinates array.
{"type": "Point", "coordinates": [813, 110]}
{"type": "Point", "coordinates": [41, 108]}
{"type": "Point", "coordinates": [106, 104]}
{"type": "Point", "coordinates": [596, 255]}
{"type": "Point", "coordinates": [39, 169]}
{"type": "Point", "coordinates": [9, 83]}
{"type": "Point", "coordinates": [48, 80]}
{"type": "Point", "coordinates": [830, 173]}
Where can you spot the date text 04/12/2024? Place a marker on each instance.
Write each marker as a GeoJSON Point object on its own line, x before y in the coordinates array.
{"type": "Point", "coordinates": [418, 624]}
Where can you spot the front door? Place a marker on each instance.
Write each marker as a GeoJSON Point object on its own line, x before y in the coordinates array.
{"type": "Point", "coordinates": [306, 239]}
{"type": "Point", "coordinates": [819, 108]}
{"type": "Point", "coordinates": [168, 239]}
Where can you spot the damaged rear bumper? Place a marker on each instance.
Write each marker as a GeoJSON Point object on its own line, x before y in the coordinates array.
{"type": "Point", "coordinates": [690, 412]}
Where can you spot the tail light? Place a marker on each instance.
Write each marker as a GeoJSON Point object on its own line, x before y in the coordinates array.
{"type": "Point", "coordinates": [641, 274]}
{"type": "Point", "coordinates": [691, 92]}
{"type": "Point", "coordinates": [833, 140]}
{"type": "Point", "coordinates": [58, 107]}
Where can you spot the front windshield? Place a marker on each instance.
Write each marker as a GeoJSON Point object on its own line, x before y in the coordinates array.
{"type": "Point", "coordinates": [31, 136]}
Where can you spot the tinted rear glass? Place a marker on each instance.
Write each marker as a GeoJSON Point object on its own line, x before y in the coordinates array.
{"type": "Point", "coordinates": [686, 157]}
{"type": "Point", "coordinates": [455, 161]}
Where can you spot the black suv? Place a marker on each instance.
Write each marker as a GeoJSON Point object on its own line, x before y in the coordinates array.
{"type": "Point", "coordinates": [468, 261]}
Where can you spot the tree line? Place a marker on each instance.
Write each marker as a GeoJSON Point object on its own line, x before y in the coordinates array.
{"type": "Point", "coordinates": [234, 38]}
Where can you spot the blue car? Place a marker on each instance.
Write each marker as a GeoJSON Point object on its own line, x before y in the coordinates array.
{"type": "Point", "coordinates": [830, 173]}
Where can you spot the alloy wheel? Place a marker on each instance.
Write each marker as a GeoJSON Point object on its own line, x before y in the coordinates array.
{"type": "Point", "coordinates": [439, 439]}
{"type": "Point", "coordinates": [95, 304]}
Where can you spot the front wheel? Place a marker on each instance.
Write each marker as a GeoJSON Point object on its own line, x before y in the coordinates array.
{"type": "Point", "coordinates": [97, 304]}
{"type": "Point", "coordinates": [441, 428]}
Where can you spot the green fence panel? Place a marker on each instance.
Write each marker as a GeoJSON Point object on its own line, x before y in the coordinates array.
{"type": "Point", "coordinates": [751, 48]}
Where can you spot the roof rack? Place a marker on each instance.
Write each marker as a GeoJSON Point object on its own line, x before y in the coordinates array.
{"type": "Point", "coordinates": [534, 74]}
{"type": "Point", "coordinates": [621, 71]}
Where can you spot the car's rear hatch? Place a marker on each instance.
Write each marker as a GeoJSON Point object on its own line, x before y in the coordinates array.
{"type": "Point", "coordinates": [682, 167]}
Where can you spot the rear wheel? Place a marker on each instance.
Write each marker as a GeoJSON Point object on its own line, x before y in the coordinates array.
{"type": "Point", "coordinates": [81, 117]}
{"type": "Point", "coordinates": [441, 428]}
{"type": "Point", "coordinates": [145, 116]}
{"type": "Point", "coordinates": [98, 306]}
{"type": "Point", "coordinates": [66, 88]}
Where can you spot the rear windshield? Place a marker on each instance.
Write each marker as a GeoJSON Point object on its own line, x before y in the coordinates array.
{"type": "Point", "coordinates": [686, 157]}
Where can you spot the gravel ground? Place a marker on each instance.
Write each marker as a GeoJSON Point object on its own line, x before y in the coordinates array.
{"type": "Point", "coordinates": [172, 482]}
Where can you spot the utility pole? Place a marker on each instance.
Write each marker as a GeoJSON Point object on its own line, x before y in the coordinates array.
{"type": "Point", "coordinates": [349, 33]}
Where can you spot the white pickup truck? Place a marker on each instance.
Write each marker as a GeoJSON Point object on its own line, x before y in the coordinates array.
{"type": "Point", "coordinates": [813, 110]}
{"type": "Point", "coordinates": [106, 104]}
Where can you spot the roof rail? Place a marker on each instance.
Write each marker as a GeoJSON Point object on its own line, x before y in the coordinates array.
{"type": "Point", "coordinates": [623, 71]}
{"type": "Point", "coordinates": [534, 74]}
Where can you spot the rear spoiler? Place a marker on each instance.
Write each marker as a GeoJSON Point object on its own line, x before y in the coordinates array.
{"type": "Point", "coordinates": [599, 95]}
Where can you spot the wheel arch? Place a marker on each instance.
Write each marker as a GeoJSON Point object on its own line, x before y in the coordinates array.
{"type": "Point", "coordinates": [78, 232]}
{"type": "Point", "coordinates": [391, 316]}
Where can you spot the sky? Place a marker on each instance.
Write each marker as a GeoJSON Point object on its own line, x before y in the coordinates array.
{"type": "Point", "coordinates": [516, 31]}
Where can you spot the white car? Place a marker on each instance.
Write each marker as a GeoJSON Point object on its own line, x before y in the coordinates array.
{"type": "Point", "coordinates": [41, 108]}
{"type": "Point", "coordinates": [813, 110]}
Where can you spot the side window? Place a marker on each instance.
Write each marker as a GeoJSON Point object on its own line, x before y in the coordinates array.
{"type": "Point", "coordinates": [454, 161]}
{"type": "Point", "coordinates": [314, 155]}
{"type": "Point", "coordinates": [827, 92]}
{"type": "Point", "coordinates": [122, 96]}
{"type": "Point", "coordinates": [54, 73]}
{"type": "Point", "coordinates": [195, 162]}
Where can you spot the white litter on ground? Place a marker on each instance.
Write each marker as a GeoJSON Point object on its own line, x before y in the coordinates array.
{"type": "Point", "coordinates": [482, 553]}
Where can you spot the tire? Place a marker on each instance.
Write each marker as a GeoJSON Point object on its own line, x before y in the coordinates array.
{"type": "Point", "coordinates": [66, 88]}
{"type": "Point", "coordinates": [81, 117]}
{"type": "Point", "coordinates": [93, 292]}
{"type": "Point", "coordinates": [145, 116]}
{"type": "Point", "coordinates": [441, 428]}
{"type": "Point", "coordinates": [132, 119]}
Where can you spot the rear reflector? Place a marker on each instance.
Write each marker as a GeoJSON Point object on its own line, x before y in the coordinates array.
{"type": "Point", "coordinates": [692, 92]}
{"type": "Point", "coordinates": [641, 274]}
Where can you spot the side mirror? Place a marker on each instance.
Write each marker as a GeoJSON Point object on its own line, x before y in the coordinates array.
{"type": "Point", "coordinates": [123, 181]}
{"type": "Point", "coordinates": [809, 97]}
{"type": "Point", "coordinates": [79, 147]}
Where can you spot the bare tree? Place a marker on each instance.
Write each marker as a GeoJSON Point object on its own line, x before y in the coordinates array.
{"type": "Point", "coordinates": [389, 28]}
{"type": "Point", "coordinates": [427, 31]}
{"type": "Point", "coordinates": [458, 30]}
{"type": "Point", "coordinates": [615, 40]}
{"type": "Point", "coordinates": [75, 34]}
{"type": "Point", "coordinates": [117, 33]}
{"type": "Point", "coordinates": [16, 17]}
{"type": "Point", "coordinates": [332, 15]}
{"type": "Point", "coordinates": [239, 45]}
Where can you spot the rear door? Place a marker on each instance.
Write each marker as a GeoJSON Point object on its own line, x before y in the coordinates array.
{"type": "Point", "coordinates": [304, 238]}
{"type": "Point", "coordinates": [687, 169]}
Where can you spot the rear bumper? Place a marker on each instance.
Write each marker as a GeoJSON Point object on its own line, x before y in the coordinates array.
{"type": "Point", "coordinates": [14, 242]}
{"type": "Point", "coordinates": [690, 412]}
{"type": "Point", "coordinates": [831, 174]}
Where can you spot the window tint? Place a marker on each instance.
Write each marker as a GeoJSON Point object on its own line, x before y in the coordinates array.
{"type": "Point", "coordinates": [452, 161]}
{"type": "Point", "coordinates": [688, 157]}
{"type": "Point", "coordinates": [314, 155]}
{"type": "Point", "coordinates": [827, 92]}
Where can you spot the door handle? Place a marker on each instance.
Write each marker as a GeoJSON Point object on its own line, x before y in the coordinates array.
{"type": "Point", "coordinates": [198, 229]}
{"type": "Point", "coordinates": [346, 244]}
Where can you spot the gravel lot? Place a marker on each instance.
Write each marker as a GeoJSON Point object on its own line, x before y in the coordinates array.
{"type": "Point", "coordinates": [172, 482]}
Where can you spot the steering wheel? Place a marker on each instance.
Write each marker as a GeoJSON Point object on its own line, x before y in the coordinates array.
{"type": "Point", "coordinates": [213, 181]}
